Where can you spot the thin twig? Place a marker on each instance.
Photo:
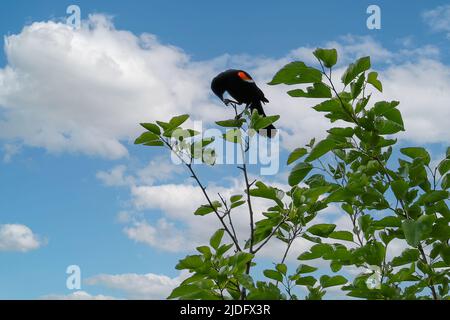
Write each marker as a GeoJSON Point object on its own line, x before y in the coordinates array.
{"type": "Point", "coordinates": [203, 188]}
{"type": "Point", "coordinates": [228, 213]}
{"type": "Point", "coordinates": [337, 94]}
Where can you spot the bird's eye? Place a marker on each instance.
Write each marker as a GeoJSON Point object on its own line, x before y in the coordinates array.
{"type": "Point", "coordinates": [245, 76]}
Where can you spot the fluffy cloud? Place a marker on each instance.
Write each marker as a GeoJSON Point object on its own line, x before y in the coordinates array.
{"type": "Point", "coordinates": [423, 89]}
{"type": "Point", "coordinates": [139, 286]}
{"type": "Point", "coordinates": [86, 90]}
{"type": "Point", "coordinates": [157, 170]}
{"type": "Point", "coordinates": [18, 237]}
{"type": "Point", "coordinates": [115, 177]}
{"type": "Point", "coordinates": [438, 19]}
{"type": "Point", "coordinates": [164, 235]}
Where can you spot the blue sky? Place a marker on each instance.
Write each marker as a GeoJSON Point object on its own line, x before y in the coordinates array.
{"type": "Point", "coordinates": [56, 190]}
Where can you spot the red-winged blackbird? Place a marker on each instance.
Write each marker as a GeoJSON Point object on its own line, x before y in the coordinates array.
{"type": "Point", "coordinates": [240, 85]}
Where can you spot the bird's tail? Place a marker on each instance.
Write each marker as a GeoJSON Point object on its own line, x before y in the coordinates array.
{"type": "Point", "coordinates": [269, 131]}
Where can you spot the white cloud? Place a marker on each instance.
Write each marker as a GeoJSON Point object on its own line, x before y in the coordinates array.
{"type": "Point", "coordinates": [164, 235]}
{"type": "Point", "coordinates": [157, 170]}
{"type": "Point", "coordinates": [115, 177]}
{"type": "Point", "coordinates": [77, 295]}
{"type": "Point", "coordinates": [423, 89]}
{"type": "Point", "coordinates": [87, 90]}
{"type": "Point", "coordinates": [18, 237]}
{"type": "Point", "coordinates": [139, 286]}
{"type": "Point", "coordinates": [438, 19]}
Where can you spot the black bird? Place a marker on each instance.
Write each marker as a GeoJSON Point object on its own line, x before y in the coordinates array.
{"type": "Point", "coordinates": [240, 85]}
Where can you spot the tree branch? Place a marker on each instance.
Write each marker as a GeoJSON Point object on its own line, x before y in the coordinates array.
{"type": "Point", "coordinates": [228, 213]}
{"type": "Point", "coordinates": [194, 175]}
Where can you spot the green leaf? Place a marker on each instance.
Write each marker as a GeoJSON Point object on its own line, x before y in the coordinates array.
{"type": "Point", "coordinates": [320, 149]}
{"type": "Point", "coordinates": [216, 239]}
{"type": "Point", "coordinates": [332, 105]}
{"type": "Point", "coordinates": [236, 197]}
{"type": "Point", "coordinates": [404, 274]}
{"type": "Point", "coordinates": [318, 90]}
{"type": "Point", "coordinates": [295, 73]}
{"type": "Point", "coordinates": [206, 208]}
{"type": "Point", "coordinates": [232, 123]}
{"type": "Point", "coordinates": [223, 248]}
{"type": "Point", "coordinates": [146, 137]}
{"type": "Point", "coordinates": [233, 135]}
{"type": "Point", "coordinates": [341, 235]}
{"type": "Point", "coordinates": [184, 290]}
{"type": "Point", "coordinates": [316, 251]}
{"type": "Point", "coordinates": [356, 86]}
{"type": "Point", "coordinates": [281, 267]}
{"type": "Point", "coordinates": [444, 166]}
{"type": "Point", "coordinates": [246, 281]}
{"type": "Point", "coordinates": [327, 281]}
{"type": "Point", "coordinates": [372, 78]}
{"type": "Point", "coordinates": [445, 254]}
{"type": "Point", "coordinates": [274, 275]}
{"type": "Point", "coordinates": [433, 196]}
{"type": "Point", "coordinates": [441, 229]}
{"type": "Point", "coordinates": [296, 154]}
{"type": "Point", "coordinates": [416, 231]}
{"type": "Point", "coordinates": [407, 256]}
{"type": "Point", "coordinates": [343, 132]}
{"type": "Point", "coordinates": [264, 122]}
{"type": "Point", "coordinates": [362, 103]}
{"type": "Point", "coordinates": [382, 107]}
{"type": "Point", "coordinates": [267, 192]}
{"type": "Point", "coordinates": [191, 262]}
{"type": "Point", "coordinates": [152, 128]}
{"type": "Point", "coordinates": [205, 250]}
{"type": "Point", "coordinates": [390, 221]}
{"type": "Point", "coordinates": [327, 56]}
{"type": "Point", "coordinates": [306, 281]}
{"type": "Point", "coordinates": [335, 266]}
{"type": "Point", "coordinates": [163, 125]}
{"type": "Point", "coordinates": [374, 253]}
{"type": "Point", "coordinates": [322, 230]}
{"type": "Point", "coordinates": [154, 143]}
{"type": "Point", "coordinates": [237, 204]}
{"type": "Point", "coordinates": [340, 195]}
{"type": "Point", "coordinates": [265, 291]}
{"type": "Point", "coordinates": [445, 184]}
{"type": "Point", "coordinates": [417, 152]}
{"type": "Point", "coordinates": [299, 172]}
{"type": "Point", "coordinates": [387, 126]}
{"type": "Point", "coordinates": [355, 69]}
{"type": "Point", "coordinates": [304, 268]}
{"type": "Point", "coordinates": [178, 120]}
{"type": "Point", "coordinates": [400, 188]}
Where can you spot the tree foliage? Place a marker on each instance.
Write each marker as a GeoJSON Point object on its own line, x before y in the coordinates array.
{"type": "Point", "coordinates": [385, 200]}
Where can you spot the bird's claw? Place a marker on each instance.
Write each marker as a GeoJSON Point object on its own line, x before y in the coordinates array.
{"type": "Point", "coordinates": [228, 101]}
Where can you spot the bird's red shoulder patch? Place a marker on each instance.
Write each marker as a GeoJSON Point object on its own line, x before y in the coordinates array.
{"type": "Point", "coordinates": [244, 76]}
